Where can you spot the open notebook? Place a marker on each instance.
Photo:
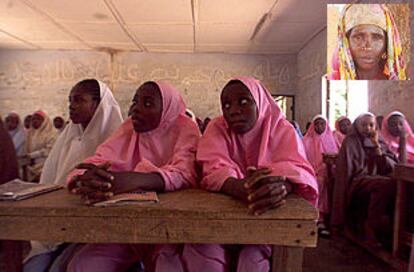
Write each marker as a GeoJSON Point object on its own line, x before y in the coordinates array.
{"type": "Point", "coordinates": [129, 198]}
{"type": "Point", "coordinates": [18, 189]}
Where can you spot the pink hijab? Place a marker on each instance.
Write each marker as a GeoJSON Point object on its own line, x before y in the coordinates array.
{"type": "Point", "coordinates": [168, 150]}
{"type": "Point", "coordinates": [338, 135]}
{"type": "Point", "coordinates": [393, 142]}
{"type": "Point", "coordinates": [316, 144]}
{"type": "Point", "coordinates": [272, 143]}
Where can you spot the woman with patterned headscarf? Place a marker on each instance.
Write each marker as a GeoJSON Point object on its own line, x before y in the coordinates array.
{"type": "Point", "coordinates": [369, 45]}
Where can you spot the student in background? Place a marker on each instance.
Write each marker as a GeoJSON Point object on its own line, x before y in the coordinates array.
{"type": "Point", "coordinates": [399, 136]}
{"type": "Point", "coordinates": [342, 127]}
{"type": "Point", "coordinates": [27, 122]}
{"type": "Point", "coordinates": [364, 193]}
{"type": "Point", "coordinates": [39, 142]}
{"type": "Point", "coordinates": [154, 150]}
{"type": "Point", "coordinates": [59, 123]}
{"type": "Point", "coordinates": [16, 130]}
{"type": "Point", "coordinates": [253, 154]}
{"type": "Point", "coordinates": [318, 140]}
{"type": "Point", "coordinates": [94, 115]}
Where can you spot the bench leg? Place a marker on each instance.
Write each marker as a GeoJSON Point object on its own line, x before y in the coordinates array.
{"type": "Point", "coordinates": [287, 259]}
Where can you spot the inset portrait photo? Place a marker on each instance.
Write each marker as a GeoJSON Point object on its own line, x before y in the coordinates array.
{"type": "Point", "coordinates": [368, 41]}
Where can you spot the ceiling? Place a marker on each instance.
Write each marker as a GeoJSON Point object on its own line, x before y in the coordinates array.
{"type": "Point", "coordinates": [230, 26]}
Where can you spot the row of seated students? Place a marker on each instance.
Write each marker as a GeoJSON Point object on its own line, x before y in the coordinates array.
{"type": "Point", "coordinates": [362, 195]}
{"type": "Point", "coordinates": [34, 138]}
{"type": "Point", "coordinates": [251, 153]}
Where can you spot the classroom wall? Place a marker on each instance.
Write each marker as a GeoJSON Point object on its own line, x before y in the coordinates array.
{"type": "Point", "coordinates": [30, 80]}
{"type": "Point", "coordinates": [311, 67]}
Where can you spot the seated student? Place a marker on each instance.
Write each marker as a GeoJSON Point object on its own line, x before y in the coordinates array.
{"type": "Point", "coordinates": [16, 130]}
{"type": "Point", "coordinates": [399, 137]}
{"type": "Point", "coordinates": [27, 122]}
{"type": "Point", "coordinates": [361, 179]}
{"type": "Point", "coordinates": [39, 142]}
{"type": "Point", "coordinates": [342, 127]}
{"type": "Point", "coordinates": [318, 140]}
{"type": "Point", "coordinates": [9, 170]}
{"type": "Point", "coordinates": [59, 124]}
{"type": "Point", "coordinates": [154, 150]}
{"type": "Point", "coordinates": [95, 115]}
{"type": "Point", "coordinates": [253, 154]}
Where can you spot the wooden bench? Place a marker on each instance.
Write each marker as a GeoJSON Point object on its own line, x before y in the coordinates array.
{"type": "Point", "coordinates": [188, 216]}
{"type": "Point", "coordinates": [403, 237]}
{"type": "Point", "coordinates": [404, 175]}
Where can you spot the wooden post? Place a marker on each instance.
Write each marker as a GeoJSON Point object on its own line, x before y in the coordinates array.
{"type": "Point", "coordinates": [287, 259]}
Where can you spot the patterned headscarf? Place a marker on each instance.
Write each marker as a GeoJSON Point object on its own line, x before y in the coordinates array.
{"type": "Point", "coordinates": [343, 66]}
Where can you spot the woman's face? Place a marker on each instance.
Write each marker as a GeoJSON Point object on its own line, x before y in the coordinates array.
{"type": "Point", "coordinates": [239, 108]}
{"type": "Point", "coordinates": [345, 126]}
{"type": "Point", "coordinates": [37, 120]}
{"type": "Point", "coordinates": [367, 44]}
{"type": "Point", "coordinates": [146, 108]}
{"type": "Point", "coordinates": [395, 125]}
{"type": "Point", "coordinates": [366, 125]}
{"type": "Point", "coordinates": [82, 106]}
{"type": "Point", "coordinates": [11, 122]}
{"type": "Point", "coordinates": [319, 125]}
{"type": "Point", "coordinates": [28, 121]}
{"type": "Point", "coordinates": [58, 122]}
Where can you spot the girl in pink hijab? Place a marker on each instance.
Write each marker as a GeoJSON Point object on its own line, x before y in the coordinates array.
{"type": "Point", "coordinates": [399, 136]}
{"type": "Point", "coordinates": [154, 150]}
{"type": "Point", "coordinates": [251, 153]}
{"type": "Point", "coordinates": [342, 127]}
{"type": "Point", "coordinates": [318, 140]}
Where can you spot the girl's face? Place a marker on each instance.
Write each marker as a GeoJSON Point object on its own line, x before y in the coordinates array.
{"type": "Point", "coordinates": [239, 108]}
{"type": "Point", "coordinates": [82, 106]}
{"type": "Point", "coordinates": [367, 44]}
{"type": "Point", "coordinates": [319, 125]}
{"type": "Point", "coordinates": [11, 122]}
{"type": "Point", "coordinates": [366, 125]}
{"type": "Point", "coordinates": [146, 108]}
{"type": "Point", "coordinates": [37, 120]}
{"type": "Point", "coordinates": [344, 126]}
{"type": "Point", "coordinates": [28, 121]}
{"type": "Point", "coordinates": [395, 125]}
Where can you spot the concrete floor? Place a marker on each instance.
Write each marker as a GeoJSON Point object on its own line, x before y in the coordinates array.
{"type": "Point", "coordinates": [340, 255]}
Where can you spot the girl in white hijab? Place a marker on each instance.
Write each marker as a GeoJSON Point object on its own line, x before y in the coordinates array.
{"type": "Point", "coordinates": [79, 141]}
{"type": "Point", "coordinates": [94, 115]}
{"type": "Point", "coordinates": [16, 130]}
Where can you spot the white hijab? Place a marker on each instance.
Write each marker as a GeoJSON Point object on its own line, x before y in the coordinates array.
{"type": "Point", "coordinates": [18, 135]}
{"type": "Point", "coordinates": [74, 144]}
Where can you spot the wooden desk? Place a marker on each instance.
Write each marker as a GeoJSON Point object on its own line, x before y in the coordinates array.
{"type": "Point", "coordinates": [188, 216]}
{"type": "Point", "coordinates": [404, 174]}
